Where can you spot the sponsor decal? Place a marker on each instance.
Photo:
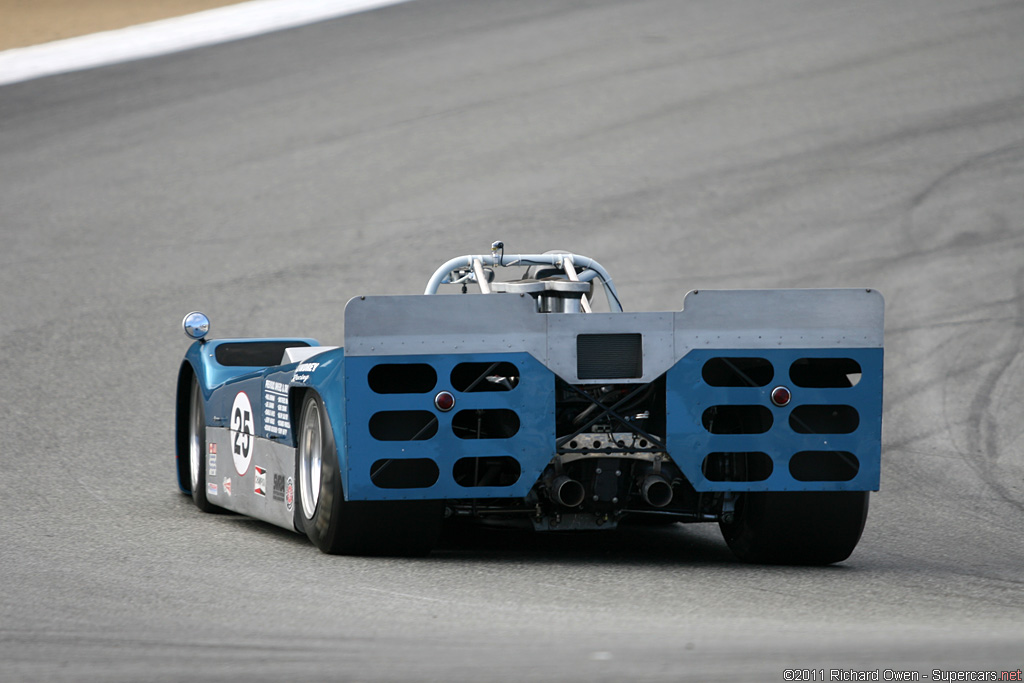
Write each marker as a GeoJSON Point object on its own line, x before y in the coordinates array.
{"type": "Point", "coordinates": [211, 489]}
{"type": "Point", "coordinates": [276, 387]}
{"type": "Point", "coordinates": [275, 408]}
{"type": "Point", "coordinates": [284, 491]}
{"type": "Point", "coordinates": [260, 483]}
{"type": "Point", "coordinates": [211, 462]}
{"type": "Point", "coordinates": [227, 486]}
{"type": "Point", "coordinates": [242, 433]}
{"type": "Point", "coordinates": [302, 371]}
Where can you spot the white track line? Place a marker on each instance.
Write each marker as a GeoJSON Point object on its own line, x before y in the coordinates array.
{"type": "Point", "coordinates": [173, 35]}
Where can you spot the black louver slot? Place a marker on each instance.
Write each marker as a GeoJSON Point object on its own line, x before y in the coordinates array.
{"type": "Point", "coordinates": [609, 356]}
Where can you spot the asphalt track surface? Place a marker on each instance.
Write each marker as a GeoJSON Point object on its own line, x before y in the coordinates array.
{"type": "Point", "coordinates": [682, 144]}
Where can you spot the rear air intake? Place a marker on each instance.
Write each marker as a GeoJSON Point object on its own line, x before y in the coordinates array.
{"type": "Point", "coordinates": [412, 473]}
{"type": "Point", "coordinates": [609, 356]}
{"type": "Point", "coordinates": [737, 372]}
{"type": "Point", "coordinates": [402, 378]}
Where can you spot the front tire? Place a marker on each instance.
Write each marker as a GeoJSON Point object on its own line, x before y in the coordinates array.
{"type": "Point", "coordinates": [340, 527]}
{"type": "Point", "coordinates": [799, 527]}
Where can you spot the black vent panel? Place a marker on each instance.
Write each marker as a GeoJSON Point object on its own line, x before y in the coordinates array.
{"type": "Point", "coordinates": [609, 356]}
{"type": "Point", "coordinates": [253, 354]}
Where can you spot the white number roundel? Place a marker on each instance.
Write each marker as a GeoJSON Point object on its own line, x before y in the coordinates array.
{"type": "Point", "coordinates": [242, 432]}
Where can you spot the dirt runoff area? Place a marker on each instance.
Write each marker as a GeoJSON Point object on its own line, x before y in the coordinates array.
{"type": "Point", "coordinates": [29, 22]}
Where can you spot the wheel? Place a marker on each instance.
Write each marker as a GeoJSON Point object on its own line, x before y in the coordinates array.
{"type": "Point", "coordinates": [799, 527]}
{"type": "Point", "coordinates": [789, 527]}
{"type": "Point", "coordinates": [197, 449]}
{"type": "Point", "coordinates": [340, 527]}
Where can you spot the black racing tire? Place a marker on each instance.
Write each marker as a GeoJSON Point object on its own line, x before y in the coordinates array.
{"type": "Point", "coordinates": [796, 528]}
{"type": "Point", "coordinates": [340, 527]}
{"type": "Point", "coordinates": [197, 449]}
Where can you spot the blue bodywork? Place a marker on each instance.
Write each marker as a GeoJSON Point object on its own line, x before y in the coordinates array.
{"type": "Point", "coordinates": [351, 404]}
{"type": "Point", "coordinates": [219, 384]}
{"type": "Point", "coordinates": [532, 400]}
{"type": "Point", "coordinates": [688, 396]}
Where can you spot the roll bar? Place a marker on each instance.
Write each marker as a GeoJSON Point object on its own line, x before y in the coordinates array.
{"type": "Point", "coordinates": [469, 268]}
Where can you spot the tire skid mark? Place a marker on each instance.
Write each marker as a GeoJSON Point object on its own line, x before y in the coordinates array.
{"type": "Point", "coordinates": [943, 336]}
{"type": "Point", "coordinates": [969, 117]}
{"type": "Point", "coordinates": [982, 428]}
{"type": "Point", "coordinates": [922, 259]}
{"type": "Point", "coordinates": [1005, 154]}
{"type": "Point", "coordinates": [986, 429]}
{"type": "Point", "coordinates": [913, 388]}
{"type": "Point", "coordinates": [981, 452]}
{"type": "Point", "coordinates": [994, 156]}
{"type": "Point", "coordinates": [942, 319]}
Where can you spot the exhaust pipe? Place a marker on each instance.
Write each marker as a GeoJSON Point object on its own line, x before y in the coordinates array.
{"type": "Point", "coordinates": [566, 491]}
{"type": "Point", "coordinates": [656, 490]}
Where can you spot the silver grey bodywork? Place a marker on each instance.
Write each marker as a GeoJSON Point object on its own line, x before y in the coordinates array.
{"type": "Point", "coordinates": [736, 319]}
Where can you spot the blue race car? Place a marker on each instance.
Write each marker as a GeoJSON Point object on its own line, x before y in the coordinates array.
{"type": "Point", "coordinates": [760, 410]}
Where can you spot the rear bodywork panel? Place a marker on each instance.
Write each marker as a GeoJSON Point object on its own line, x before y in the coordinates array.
{"type": "Point", "coordinates": [611, 401]}
{"type": "Point", "coordinates": [775, 331]}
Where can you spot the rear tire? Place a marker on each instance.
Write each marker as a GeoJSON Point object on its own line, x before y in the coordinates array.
{"type": "Point", "coordinates": [800, 527]}
{"type": "Point", "coordinates": [340, 527]}
{"type": "Point", "coordinates": [197, 449]}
